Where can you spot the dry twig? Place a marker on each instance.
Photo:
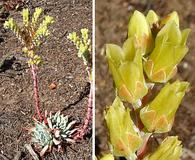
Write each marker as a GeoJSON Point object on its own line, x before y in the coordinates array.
{"type": "Point", "coordinates": [31, 151]}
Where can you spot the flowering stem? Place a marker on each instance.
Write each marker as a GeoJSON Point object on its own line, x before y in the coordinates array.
{"type": "Point", "coordinates": [88, 117]}
{"type": "Point", "coordinates": [84, 129]}
{"type": "Point", "coordinates": [36, 91]}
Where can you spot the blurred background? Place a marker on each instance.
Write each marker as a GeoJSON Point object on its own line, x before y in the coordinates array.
{"type": "Point", "coordinates": [111, 27]}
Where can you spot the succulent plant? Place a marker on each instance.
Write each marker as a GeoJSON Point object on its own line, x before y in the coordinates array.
{"type": "Point", "coordinates": [41, 137]}
{"type": "Point", "coordinates": [62, 126]}
{"type": "Point", "coordinates": [31, 33]}
{"type": "Point", "coordinates": [55, 131]}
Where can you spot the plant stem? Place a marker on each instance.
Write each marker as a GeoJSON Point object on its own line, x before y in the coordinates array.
{"type": "Point", "coordinates": [36, 91]}
{"type": "Point", "coordinates": [144, 149]}
{"type": "Point", "coordinates": [84, 128]}
{"type": "Point", "coordinates": [87, 120]}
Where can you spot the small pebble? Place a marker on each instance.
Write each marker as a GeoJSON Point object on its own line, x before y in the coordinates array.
{"type": "Point", "coordinates": [52, 86]}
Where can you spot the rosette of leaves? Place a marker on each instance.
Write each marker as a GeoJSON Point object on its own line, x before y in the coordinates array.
{"type": "Point", "coordinates": [63, 128]}
{"type": "Point", "coordinates": [55, 131]}
{"type": "Point", "coordinates": [41, 137]}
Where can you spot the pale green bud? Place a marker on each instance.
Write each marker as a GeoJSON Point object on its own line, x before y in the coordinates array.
{"type": "Point", "coordinates": [42, 30]}
{"type": "Point", "coordinates": [48, 20]}
{"type": "Point", "coordinates": [124, 139]}
{"type": "Point", "coordinates": [9, 24]}
{"type": "Point", "coordinates": [158, 116]}
{"type": "Point", "coordinates": [25, 50]}
{"type": "Point", "coordinates": [73, 37]}
{"type": "Point", "coordinates": [25, 14]}
{"type": "Point", "coordinates": [170, 17]}
{"type": "Point", "coordinates": [152, 18]}
{"type": "Point", "coordinates": [36, 15]}
{"type": "Point", "coordinates": [169, 149]}
{"type": "Point", "coordinates": [35, 60]}
{"type": "Point", "coordinates": [128, 75]}
{"type": "Point", "coordinates": [12, 25]}
{"type": "Point", "coordinates": [83, 44]}
{"type": "Point", "coordinates": [139, 29]}
{"type": "Point", "coordinates": [84, 33]}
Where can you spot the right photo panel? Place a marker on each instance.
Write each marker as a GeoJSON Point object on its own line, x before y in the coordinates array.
{"type": "Point", "coordinates": [145, 81]}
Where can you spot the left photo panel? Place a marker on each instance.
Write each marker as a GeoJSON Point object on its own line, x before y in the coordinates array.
{"type": "Point", "coordinates": [46, 82]}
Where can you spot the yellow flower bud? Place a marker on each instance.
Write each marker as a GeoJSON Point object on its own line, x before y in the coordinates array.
{"type": "Point", "coordinates": [170, 48]}
{"type": "Point", "coordinates": [170, 17]}
{"type": "Point", "coordinates": [36, 15]}
{"type": "Point", "coordinates": [158, 116]}
{"type": "Point", "coordinates": [12, 25]}
{"type": "Point", "coordinates": [84, 33]}
{"type": "Point", "coordinates": [127, 72]}
{"type": "Point", "coordinates": [152, 18]}
{"type": "Point", "coordinates": [25, 14]}
{"type": "Point", "coordinates": [25, 50]}
{"type": "Point", "coordinates": [48, 20]}
{"type": "Point", "coordinates": [169, 149]}
{"type": "Point", "coordinates": [139, 28]}
{"type": "Point", "coordinates": [36, 59]}
{"type": "Point", "coordinates": [123, 136]}
{"type": "Point", "coordinates": [42, 30]}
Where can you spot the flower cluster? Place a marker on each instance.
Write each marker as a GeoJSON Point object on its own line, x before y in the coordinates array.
{"type": "Point", "coordinates": [150, 54]}
{"type": "Point", "coordinates": [83, 44]}
{"type": "Point", "coordinates": [31, 32]}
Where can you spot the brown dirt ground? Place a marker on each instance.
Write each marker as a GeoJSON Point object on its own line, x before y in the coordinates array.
{"type": "Point", "coordinates": [62, 66]}
{"type": "Point", "coordinates": [111, 27]}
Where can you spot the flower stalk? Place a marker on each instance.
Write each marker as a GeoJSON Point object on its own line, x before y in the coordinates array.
{"type": "Point", "coordinates": [84, 128]}
{"type": "Point", "coordinates": [36, 91]}
{"type": "Point", "coordinates": [30, 34]}
{"type": "Point", "coordinates": [83, 46]}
